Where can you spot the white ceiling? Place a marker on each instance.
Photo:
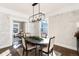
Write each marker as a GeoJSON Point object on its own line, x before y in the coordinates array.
{"type": "Point", "coordinates": [46, 8]}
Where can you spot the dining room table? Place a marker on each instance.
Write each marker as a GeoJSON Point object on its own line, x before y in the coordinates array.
{"type": "Point", "coordinates": [38, 43]}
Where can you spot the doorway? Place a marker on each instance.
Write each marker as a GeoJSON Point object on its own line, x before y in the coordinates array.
{"type": "Point", "coordinates": [17, 27]}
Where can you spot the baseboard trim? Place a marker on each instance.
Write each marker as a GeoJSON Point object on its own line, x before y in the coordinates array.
{"type": "Point", "coordinates": [1, 47]}
{"type": "Point", "coordinates": [69, 47]}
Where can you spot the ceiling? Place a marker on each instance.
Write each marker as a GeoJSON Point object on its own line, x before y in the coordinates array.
{"type": "Point", "coordinates": [46, 8]}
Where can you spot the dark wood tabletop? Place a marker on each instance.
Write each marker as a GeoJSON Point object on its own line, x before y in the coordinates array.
{"type": "Point", "coordinates": [37, 42]}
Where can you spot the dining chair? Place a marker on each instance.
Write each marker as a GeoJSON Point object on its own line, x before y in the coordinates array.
{"type": "Point", "coordinates": [27, 47]}
{"type": "Point", "coordinates": [48, 48]}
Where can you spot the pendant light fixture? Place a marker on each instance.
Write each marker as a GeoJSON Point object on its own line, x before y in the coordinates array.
{"type": "Point", "coordinates": [38, 16]}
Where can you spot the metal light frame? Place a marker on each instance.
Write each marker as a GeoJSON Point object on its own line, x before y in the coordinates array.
{"type": "Point", "coordinates": [40, 14]}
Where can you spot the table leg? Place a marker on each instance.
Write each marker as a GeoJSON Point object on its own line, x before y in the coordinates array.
{"type": "Point", "coordinates": [36, 51]}
{"type": "Point", "coordinates": [41, 49]}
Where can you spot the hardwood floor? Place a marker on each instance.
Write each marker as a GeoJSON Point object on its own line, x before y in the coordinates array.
{"type": "Point", "coordinates": [62, 50]}
{"type": "Point", "coordinates": [3, 49]}
{"type": "Point", "coordinates": [12, 51]}
{"type": "Point", "coordinates": [65, 51]}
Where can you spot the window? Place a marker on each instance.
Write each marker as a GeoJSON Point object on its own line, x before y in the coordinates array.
{"type": "Point", "coordinates": [44, 28]}
{"type": "Point", "coordinates": [15, 27]}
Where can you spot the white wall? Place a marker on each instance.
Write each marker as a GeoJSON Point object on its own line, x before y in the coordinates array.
{"type": "Point", "coordinates": [7, 17]}
{"type": "Point", "coordinates": [5, 38]}
{"type": "Point", "coordinates": [33, 28]}
{"type": "Point", "coordinates": [36, 27]}
{"type": "Point", "coordinates": [63, 26]}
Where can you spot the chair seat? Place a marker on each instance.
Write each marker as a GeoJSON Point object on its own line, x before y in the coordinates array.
{"type": "Point", "coordinates": [30, 47]}
{"type": "Point", "coordinates": [45, 49]}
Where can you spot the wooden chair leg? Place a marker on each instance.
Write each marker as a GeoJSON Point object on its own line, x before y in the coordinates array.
{"type": "Point", "coordinates": [26, 53]}
{"type": "Point", "coordinates": [48, 54]}
{"type": "Point", "coordinates": [35, 51]}
{"type": "Point", "coordinates": [52, 53]}
{"type": "Point", "coordinates": [23, 52]}
{"type": "Point", "coordinates": [39, 52]}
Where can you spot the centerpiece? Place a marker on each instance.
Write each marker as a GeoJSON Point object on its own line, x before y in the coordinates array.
{"type": "Point", "coordinates": [36, 38]}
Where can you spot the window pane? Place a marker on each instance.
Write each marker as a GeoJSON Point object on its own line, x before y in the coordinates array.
{"type": "Point", "coordinates": [44, 28]}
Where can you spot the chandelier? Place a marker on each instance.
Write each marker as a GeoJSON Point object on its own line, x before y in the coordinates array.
{"type": "Point", "coordinates": [38, 16]}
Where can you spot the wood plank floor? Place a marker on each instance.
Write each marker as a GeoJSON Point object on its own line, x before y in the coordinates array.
{"type": "Point", "coordinates": [62, 50]}
{"type": "Point", "coordinates": [65, 51]}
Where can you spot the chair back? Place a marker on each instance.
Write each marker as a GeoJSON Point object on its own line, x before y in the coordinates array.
{"type": "Point", "coordinates": [28, 34]}
{"type": "Point", "coordinates": [51, 44]}
{"type": "Point", "coordinates": [24, 42]}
